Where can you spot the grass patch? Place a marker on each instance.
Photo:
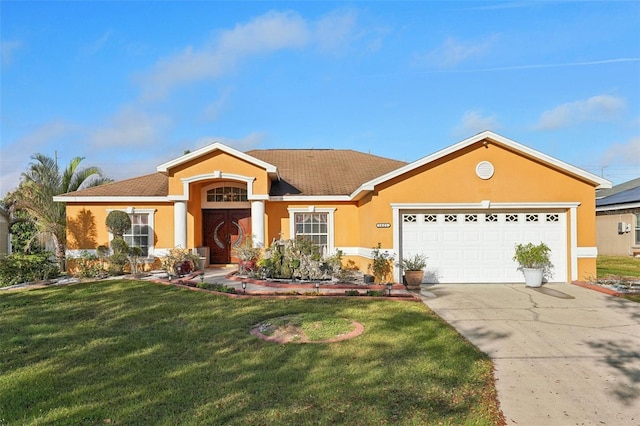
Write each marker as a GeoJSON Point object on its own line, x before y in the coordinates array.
{"type": "Point", "coordinates": [634, 297]}
{"type": "Point", "coordinates": [132, 352]}
{"type": "Point", "coordinates": [313, 326]}
{"type": "Point", "coordinates": [618, 266]}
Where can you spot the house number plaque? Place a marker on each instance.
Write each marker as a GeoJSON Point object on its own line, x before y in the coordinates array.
{"type": "Point", "coordinates": [383, 225]}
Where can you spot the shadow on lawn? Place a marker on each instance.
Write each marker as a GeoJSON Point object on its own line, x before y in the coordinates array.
{"type": "Point", "coordinates": [135, 352]}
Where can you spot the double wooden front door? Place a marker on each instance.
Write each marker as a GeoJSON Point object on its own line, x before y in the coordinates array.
{"type": "Point", "coordinates": [223, 230]}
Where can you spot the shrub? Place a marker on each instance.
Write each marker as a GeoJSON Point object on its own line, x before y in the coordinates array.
{"type": "Point", "coordinates": [118, 223]}
{"type": "Point", "coordinates": [375, 293]}
{"type": "Point", "coordinates": [382, 264]}
{"type": "Point", "coordinates": [88, 265]}
{"type": "Point", "coordinates": [298, 259]}
{"type": "Point", "coordinates": [119, 259]}
{"type": "Point", "coordinates": [216, 287]}
{"type": "Point", "coordinates": [352, 293]}
{"type": "Point", "coordinates": [180, 258]}
{"type": "Point", "coordinates": [19, 267]}
{"type": "Point", "coordinates": [417, 262]}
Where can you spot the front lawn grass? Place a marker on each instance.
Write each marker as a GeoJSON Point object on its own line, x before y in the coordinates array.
{"type": "Point", "coordinates": [618, 266]}
{"type": "Point", "coordinates": [133, 352]}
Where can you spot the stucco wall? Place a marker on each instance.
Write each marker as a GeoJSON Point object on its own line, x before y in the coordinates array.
{"type": "Point", "coordinates": [86, 228]}
{"type": "Point", "coordinates": [612, 243]}
{"type": "Point", "coordinates": [217, 161]}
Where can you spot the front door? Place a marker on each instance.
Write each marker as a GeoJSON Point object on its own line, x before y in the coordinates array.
{"type": "Point", "coordinates": [223, 230]}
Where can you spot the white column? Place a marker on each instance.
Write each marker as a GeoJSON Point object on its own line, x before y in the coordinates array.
{"type": "Point", "coordinates": [180, 223]}
{"type": "Point", "coordinates": [257, 223]}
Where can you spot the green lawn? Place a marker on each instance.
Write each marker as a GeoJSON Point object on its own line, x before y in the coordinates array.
{"type": "Point", "coordinates": [625, 266]}
{"type": "Point", "coordinates": [130, 352]}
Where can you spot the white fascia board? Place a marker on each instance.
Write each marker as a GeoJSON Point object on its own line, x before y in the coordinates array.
{"type": "Point", "coordinates": [369, 186]}
{"type": "Point", "coordinates": [618, 207]}
{"type": "Point", "coordinates": [484, 205]}
{"type": "Point", "coordinates": [63, 199]}
{"type": "Point", "coordinates": [587, 252]}
{"type": "Point", "coordinates": [270, 168]}
{"type": "Point", "coordinates": [310, 198]}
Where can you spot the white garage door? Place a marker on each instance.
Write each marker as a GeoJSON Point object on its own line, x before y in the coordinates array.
{"type": "Point", "coordinates": [479, 247]}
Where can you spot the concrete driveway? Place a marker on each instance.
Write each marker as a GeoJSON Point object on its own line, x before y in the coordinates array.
{"type": "Point", "coordinates": [564, 355]}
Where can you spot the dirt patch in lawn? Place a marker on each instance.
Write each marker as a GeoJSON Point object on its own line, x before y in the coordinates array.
{"type": "Point", "coordinates": [306, 328]}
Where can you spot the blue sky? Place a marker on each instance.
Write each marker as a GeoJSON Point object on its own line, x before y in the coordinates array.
{"type": "Point", "coordinates": [130, 85]}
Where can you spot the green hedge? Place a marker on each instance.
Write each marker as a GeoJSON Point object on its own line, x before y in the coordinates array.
{"type": "Point", "coordinates": [18, 268]}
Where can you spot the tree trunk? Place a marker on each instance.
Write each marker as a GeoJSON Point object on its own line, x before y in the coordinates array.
{"type": "Point", "coordinates": [61, 256]}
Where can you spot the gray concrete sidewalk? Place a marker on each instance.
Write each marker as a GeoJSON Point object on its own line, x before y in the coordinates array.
{"type": "Point", "coordinates": [569, 357]}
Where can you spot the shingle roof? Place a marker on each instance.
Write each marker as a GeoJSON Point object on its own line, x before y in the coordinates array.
{"type": "Point", "coordinates": [153, 185]}
{"type": "Point", "coordinates": [323, 171]}
{"type": "Point", "coordinates": [302, 172]}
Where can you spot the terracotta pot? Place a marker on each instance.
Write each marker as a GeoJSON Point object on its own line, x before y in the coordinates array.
{"type": "Point", "coordinates": [413, 279]}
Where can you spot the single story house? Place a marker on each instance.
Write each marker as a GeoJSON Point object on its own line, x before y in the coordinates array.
{"type": "Point", "coordinates": [618, 219]}
{"type": "Point", "coordinates": [464, 207]}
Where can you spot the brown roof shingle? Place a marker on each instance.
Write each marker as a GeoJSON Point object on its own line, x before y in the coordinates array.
{"type": "Point", "coordinates": [302, 172]}
{"type": "Point", "coordinates": [153, 185]}
{"type": "Point", "coordinates": [323, 171]}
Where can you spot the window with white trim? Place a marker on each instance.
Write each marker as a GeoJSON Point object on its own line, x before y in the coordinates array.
{"type": "Point", "coordinates": [141, 232]}
{"type": "Point", "coordinates": [226, 194]}
{"type": "Point", "coordinates": [138, 234]}
{"type": "Point", "coordinates": [315, 225]}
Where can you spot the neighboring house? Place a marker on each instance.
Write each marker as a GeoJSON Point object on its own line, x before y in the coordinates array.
{"type": "Point", "coordinates": [618, 219]}
{"type": "Point", "coordinates": [465, 206]}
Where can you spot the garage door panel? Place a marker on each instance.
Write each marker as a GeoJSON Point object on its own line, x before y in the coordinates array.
{"type": "Point", "coordinates": [464, 247]}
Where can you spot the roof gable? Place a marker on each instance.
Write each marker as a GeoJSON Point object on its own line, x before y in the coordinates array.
{"type": "Point", "coordinates": [217, 146]}
{"type": "Point", "coordinates": [483, 136]}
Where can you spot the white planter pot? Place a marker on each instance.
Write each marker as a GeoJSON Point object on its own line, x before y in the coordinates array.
{"type": "Point", "coordinates": [533, 277]}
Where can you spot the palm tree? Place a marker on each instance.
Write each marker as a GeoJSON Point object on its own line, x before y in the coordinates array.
{"type": "Point", "coordinates": [40, 183]}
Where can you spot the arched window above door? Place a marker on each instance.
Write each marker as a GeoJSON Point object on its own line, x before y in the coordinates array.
{"type": "Point", "coordinates": [225, 195]}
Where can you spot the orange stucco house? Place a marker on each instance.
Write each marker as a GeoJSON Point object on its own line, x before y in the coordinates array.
{"type": "Point", "coordinates": [465, 207]}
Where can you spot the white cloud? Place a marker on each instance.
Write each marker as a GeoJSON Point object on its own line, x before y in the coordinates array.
{"type": "Point", "coordinates": [596, 108]}
{"type": "Point", "coordinates": [623, 153]}
{"type": "Point", "coordinates": [130, 127]}
{"type": "Point", "coordinates": [274, 31]}
{"type": "Point", "coordinates": [213, 109]}
{"type": "Point", "coordinates": [265, 34]}
{"type": "Point", "coordinates": [334, 30]}
{"type": "Point", "coordinates": [453, 52]}
{"type": "Point", "coordinates": [474, 122]}
{"type": "Point", "coordinates": [8, 50]}
{"type": "Point", "coordinates": [97, 45]}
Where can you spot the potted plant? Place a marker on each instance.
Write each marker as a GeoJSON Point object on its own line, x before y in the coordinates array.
{"type": "Point", "coordinates": [534, 261]}
{"type": "Point", "coordinates": [413, 268]}
{"type": "Point", "coordinates": [247, 255]}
